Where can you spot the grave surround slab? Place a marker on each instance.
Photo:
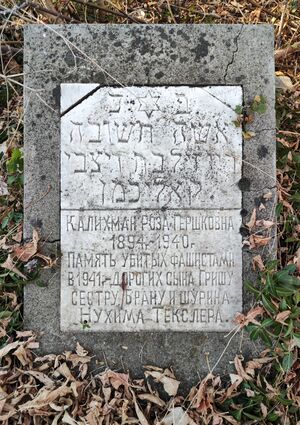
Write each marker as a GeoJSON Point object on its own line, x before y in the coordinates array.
{"type": "Point", "coordinates": [164, 63]}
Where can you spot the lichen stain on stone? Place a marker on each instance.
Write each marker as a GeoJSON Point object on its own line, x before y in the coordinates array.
{"type": "Point", "coordinates": [201, 50]}
{"type": "Point", "coordinates": [56, 95]}
{"type": "Point", "coordinates": [163, 33]}
{"type": "Point", "coordinates": [262, 151]}
{"type": "Point", "coordinates": [159, 75]}
{"type": "Point", "coordinates": [244, 184]}
{"type": "Point", "coordinates": [184, 35]}
{"type": "Point", "coordinates": [69, 59]}
{"type": "Point", "coordinates": [36, 222]}
{"type": "Point", "coordinates": [141, 45]}
{"type": "Point", "coordinates": [244, 231]}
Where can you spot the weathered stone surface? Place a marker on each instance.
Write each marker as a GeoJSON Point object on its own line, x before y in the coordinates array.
{"type": "Point", "coordinates": [133, 55]}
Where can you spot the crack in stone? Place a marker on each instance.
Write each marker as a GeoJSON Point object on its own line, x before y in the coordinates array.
{"type": "Point", "coordinates": [264, 129]}
{"type": "Point", "coordinates": [215, 97]}
{"type": "Point", "coordinates": [262, 188]}
{"type": "Point", "coordinates": [233, 53]}
{"type": "Point", "coordinates": [79, 101]}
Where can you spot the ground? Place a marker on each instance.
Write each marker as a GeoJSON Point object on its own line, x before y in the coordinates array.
{"type": "Point", "coordinates": [60, 389]}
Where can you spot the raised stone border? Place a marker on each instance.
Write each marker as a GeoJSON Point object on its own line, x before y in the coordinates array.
{"type": "Point", "coordinates": [194, 55]}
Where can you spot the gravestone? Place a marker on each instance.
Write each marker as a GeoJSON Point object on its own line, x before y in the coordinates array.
{"type": "Point", "coordinates": [139, 181]}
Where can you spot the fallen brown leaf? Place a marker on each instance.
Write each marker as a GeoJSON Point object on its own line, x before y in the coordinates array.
{"type": "Point", "coordinates": [25, 252]}
{"type": "Point", "coordinates": [244, 320]}
{"type": "Point", "coordinates": [240, 369]}
{"type": "Point", "coordinates": [258, 263]}
{"type": "Point", "coordinates": [152, 398]}
{"type": "Point", "coordinates": [139, 411]}
{"type": "Point", "coordinates": [282, 316]}
{"type": "Point", "coordinates": [10, 265]}
{"type": "Point", "coordinates": [257, 241]}
{"type": "Point", "coordinates": [266, 224]}
{"type": "Point", "coordinates": [44, 397]}
{"type": "Point", "coordinates": [169, 383]}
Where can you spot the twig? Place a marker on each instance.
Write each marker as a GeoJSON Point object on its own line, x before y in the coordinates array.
{"type": "Point", "coordinates": [50, 12]}
{"type": "Point", "coordinates": [171, 13]}
{"type": "Point", "coordinates": [281, 53]}
{"type": "Point", "coordinates": [268, 12]}
{"type": "Point", "coordinates": [12, 11]}
{"type": "Point", "coordinates": [113, 12]}
{"type": "Point", "coordinates": [8, 50]}
{"type": "Point", "coordinates": [282, 19]}
{"type": "Point", "coordinates": [200, 12]}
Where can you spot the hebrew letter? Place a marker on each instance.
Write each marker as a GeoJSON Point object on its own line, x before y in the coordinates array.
{"type": "Point", "coordinates": [95, 161]}
{"type": "Point", "coordinates": [179, 134]}
{"type": "Point", "coordinates": [138, 161]}
{"type": "Point", "coordinates": [115, 100]}
{"type": "Point", "coordinates": [161, 156]}
{"type": "Point", "coordinates": [118, 192]}
{"type": "Point", "coordinates": [176, 152]}
{"type": "Point", "coordinates": [124, 132]}
{"type": "Point", "coordinates": [200, 134]}
{"type": "Point", "coordinates": [145, 133]}
{"type": "Point", "coordinates": [84, 163]}
{"type": "Point", "coordinates": [137, 187]}
{"type": "Point", "coordinates": [78, 125]}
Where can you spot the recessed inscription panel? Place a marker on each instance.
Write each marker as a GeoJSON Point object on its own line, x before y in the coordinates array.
{"type": "Point", "coordinates": [150, 208]}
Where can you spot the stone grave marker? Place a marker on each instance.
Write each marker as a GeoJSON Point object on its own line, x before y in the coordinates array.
{"type": "Point", "coordinates": [139, 181]}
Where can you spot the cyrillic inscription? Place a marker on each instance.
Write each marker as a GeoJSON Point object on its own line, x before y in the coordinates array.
{"type": "Point", "coordinates": [150, 208]}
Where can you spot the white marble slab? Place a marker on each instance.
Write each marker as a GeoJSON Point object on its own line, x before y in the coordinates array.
{"type": "Point", "coordinates": [150, 208]}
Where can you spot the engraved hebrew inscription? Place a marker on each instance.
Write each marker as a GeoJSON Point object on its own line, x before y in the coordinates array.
{"type": "Point", "coordinates": [150, 208]}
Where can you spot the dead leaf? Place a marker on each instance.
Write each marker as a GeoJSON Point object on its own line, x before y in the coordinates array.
{"type": "Point", "coordinates": [240, 370]}
{"type": "Point", "coordinates": [28, 250]}
{"type": "Point", "coordinates": [18, 236]}
{"type": "Point", "coordinates": [24, 334]}
{"type": "Point", "coordinates": [44, 397]}
{"type": "Point", "coordinates": [261, 207]}
{"type": "Point", "coordinates": [152, 398]}
{"type": "Point", "coordinates": [282, 316]}
{"type": "Point", "coordinates": [264, 410]}
{"type": "Point", "coordinates": [283, 82]}
{"type": "Point", "coordinates": [266, 224]}
{"type": "Point", "coordinates": [257, 241]}
{"type": "Point", "coordinates": [66, 419]}
{"type": "Point", "coordinates": [236, 380]}
{"type": "Point", "coordinates": [258, 263]}
{"type": "Point", "coordinates": [177, 416]}
{"type": "Point", "coordinates": [7, 348]}
{"type": "Point", "coordinates": [3, 187]}
{"type": "Point", "coordinates": [139, 411]}
{"type": "Point", "coordinates": [23, 355]}
{"type": "Point", "coordinates": [267, 196]}
{"type": "Point", "coordinates": [65, 371]}
{"type": "Point", "coordinates": [296, 260]}
{"type": "Point", "coordinates": [81, 351]}
{"type": "Point", "coordinates": [248, 135]}
{"type": "Point", "coordinates": [42, 377]}
{"type": "Point", "coordinates": [244, 320]}
{"type": "Point", "coordinates": [169, 383]}
{"type": "Point", "coordinates": [254, 364]}
{"type": "Point", "coordinates": [10, 265]}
